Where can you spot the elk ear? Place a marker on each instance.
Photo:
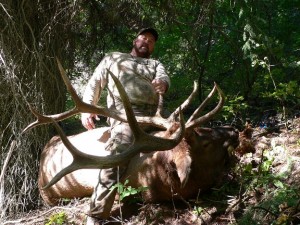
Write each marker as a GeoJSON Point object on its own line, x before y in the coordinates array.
{"type": "Point", "coordinates": [190, 135]}
{"type": "Point", "coordinates": [183, 163]}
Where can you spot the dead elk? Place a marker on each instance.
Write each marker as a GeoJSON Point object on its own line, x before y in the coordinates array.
{"type": "Point", "coordinates": [181, 160]}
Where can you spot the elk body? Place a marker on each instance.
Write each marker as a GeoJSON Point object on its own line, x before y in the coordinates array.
{"type": "Point", "coordinates": [174, 163]}
{"type": "Point", "coordinates": [194, 165]}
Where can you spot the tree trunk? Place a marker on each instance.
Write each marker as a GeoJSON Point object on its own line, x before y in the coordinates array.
{"type": "Point", "coordinates": [33, 34]}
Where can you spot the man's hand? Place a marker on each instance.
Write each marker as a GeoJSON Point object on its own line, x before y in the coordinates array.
{"type": "Point", "coordinates": [160, 86]}
{"type": "Point", "coordinates": [87, 120]}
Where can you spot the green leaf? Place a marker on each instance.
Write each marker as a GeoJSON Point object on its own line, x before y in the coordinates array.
{"type": "Point", "coordinates": [278, 184]}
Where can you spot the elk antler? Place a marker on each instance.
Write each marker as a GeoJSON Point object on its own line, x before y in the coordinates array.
{"type": "Point", "coordinates": [142, 140]}
{"type": "Point", "coordinates": [187, 102]}
{"type": "Point", "coordinates": [193, 121]}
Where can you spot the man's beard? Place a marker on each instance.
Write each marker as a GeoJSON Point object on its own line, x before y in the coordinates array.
{"type": "Point", "coordinates": [144, 53]}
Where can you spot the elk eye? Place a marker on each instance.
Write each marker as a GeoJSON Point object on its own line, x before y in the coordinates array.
{"type": "Point", "coordinates": [206, 144]}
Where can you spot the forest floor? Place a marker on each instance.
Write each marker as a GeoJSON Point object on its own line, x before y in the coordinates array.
{"type": "Point", "coordinates": [262, 188]}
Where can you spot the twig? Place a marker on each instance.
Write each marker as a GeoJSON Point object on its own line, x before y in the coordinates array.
{"type": "Point", "coordinates": [4, 9]}
{"type": "Point", "coordinates": [119, 200]}
{"type": "Point", "coordinates": [239, 201]}
{"type": "Point", "coordinates": [199, 216]}
{"type": "Point", "coordinates": [185, 201]}
{"type": "Point", "coordinates": [12, 147]}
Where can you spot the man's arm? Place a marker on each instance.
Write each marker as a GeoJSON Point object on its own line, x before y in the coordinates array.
{"type": "Point", "coordinates": [92, 93]}
{"type": "Point", "coordinates": [161, 82]}
{"type": "Point", "coordinates": [160, 86]}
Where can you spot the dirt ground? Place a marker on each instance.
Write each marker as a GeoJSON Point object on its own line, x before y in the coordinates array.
{"type": "Point", "coordinates": [270, 195]}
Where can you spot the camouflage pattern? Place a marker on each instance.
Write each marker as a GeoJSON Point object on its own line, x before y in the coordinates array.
{"type": "Point", "coordinates": [136, 75]}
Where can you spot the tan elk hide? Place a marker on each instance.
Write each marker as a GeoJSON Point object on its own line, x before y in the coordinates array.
{"type": "Point", "coordinates": [178, 161]}
{"type": "Point", "coordinates": [56, 157]}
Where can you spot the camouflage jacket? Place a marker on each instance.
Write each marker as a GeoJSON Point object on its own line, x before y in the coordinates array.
{"type": "Point", "coordinates": [136, 75]}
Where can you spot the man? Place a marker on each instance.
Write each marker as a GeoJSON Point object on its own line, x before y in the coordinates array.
{"type": "Point", "coordinates": [143, 79]}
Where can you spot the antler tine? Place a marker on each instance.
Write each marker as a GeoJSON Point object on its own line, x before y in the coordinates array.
{"type": "Point", "coordinates": [136, 130]}
{"type": "Point", "coordinates": [160, 105]}
{"type": "Point", "coordinates": [194, 121]}
{"type": "Point", "coordinates": [67, 82]}
{"type": "Point", "coordinates": [44, 119]}
{"type": "Point", "coordinates": [187, 102]}
{"type": "Point", "coordinates": [83, 107]}
{"type": "Point", "coordinates": [203, 104]}
{"type": "Point", "coordinates": [79, 107]}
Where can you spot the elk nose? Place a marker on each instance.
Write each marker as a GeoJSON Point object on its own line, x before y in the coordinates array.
{"type": "Point", "coordinates": [233, 139]}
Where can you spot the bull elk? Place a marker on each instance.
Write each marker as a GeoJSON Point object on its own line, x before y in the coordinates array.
{"type": "Point", "coordinates": [176, 162]}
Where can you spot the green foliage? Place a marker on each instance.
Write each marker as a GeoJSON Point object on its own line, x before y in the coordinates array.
{"type": "Point", "coordinates": [198, 210]}
{"type": "Point", "coordinates": [261, 176]}
{"type": "Point", "coordinates": [174, 97]}
{"type": "Point", "coordinates": [274, 197]}
{"type": "Point", "coordinates": [57, 219]}
{"type": "Point", "coordinates": [278, 203]}
{"type": "Point", "coordinates": [234, 107]}
{"type": "Point", "coordinates": [287, 92]}
{"type": "Point", "coordinates": [124, 190]}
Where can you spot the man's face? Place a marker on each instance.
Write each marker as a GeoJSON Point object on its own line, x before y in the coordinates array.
{"type": "Point", "coordinates": [144, 44]}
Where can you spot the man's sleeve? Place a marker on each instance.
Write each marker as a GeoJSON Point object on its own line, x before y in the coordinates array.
{"type": "Point", "coordinates": [161, 74]}
{"type": "Point", "coordinates": [96, 83]}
